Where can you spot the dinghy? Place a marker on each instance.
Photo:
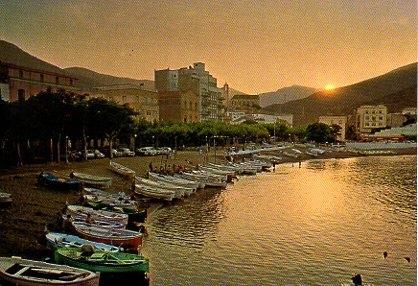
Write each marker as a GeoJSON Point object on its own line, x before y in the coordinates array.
{"type": "Point", "coordinates": [121, 170]}
{"type": "Point", "coordinates": [24, 272]}
{"type": "Point", "coordinates": [173, 180]}
{"type": "Point", "coordinates": [90, 180]}
{"type": "Point", "coordinates": [50, 180]}
{"type": "Point", "coordinates": [57, 240]}
{"type": "Point", "coordinates": [98, 215]}
{"type": "Point", "coordinates": [154, 193]}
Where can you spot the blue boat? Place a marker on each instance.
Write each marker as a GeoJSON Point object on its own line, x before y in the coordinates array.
{"type": "Point", "coordinates": [50, 180]}
{"type": "Point", "coordinates": [57, 240]}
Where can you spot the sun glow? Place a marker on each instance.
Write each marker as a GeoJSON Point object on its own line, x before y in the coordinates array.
{"type": "Point", "coordinates": [329, 87]}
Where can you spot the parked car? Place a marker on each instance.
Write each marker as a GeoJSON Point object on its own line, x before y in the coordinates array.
{"type": "Point", "coordinates": [90, 154]}
{"type": "Point", "coordinates": [164, 150]}
{"type": "Point", "coordinates": [126, 152]}
{"type": "Point", "coordinates": [98, 154]}
{"type": "Point", "coordinates": [146, 151]}
{"type": "Point", "coordinates": [116, 153]}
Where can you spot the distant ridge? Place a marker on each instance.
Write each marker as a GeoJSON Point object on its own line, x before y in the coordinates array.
{"type": "Point", "coordinates": [285, 94]}
{"type": "Point", "coordinates": [396, 89]}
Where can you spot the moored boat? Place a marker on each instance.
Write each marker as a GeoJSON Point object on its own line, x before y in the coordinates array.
{"type": "Point", "coordinates": [154, 193]}
{"type": "Point", "coordinates": [24, 272]}
{"type": "Point", "coordinates": [5, 198]}
{"type": "Point", "coordinates": [56, 240]}
{"type": "Point", "coordinates": [99, 215]}
{"type": "Point", "coordinates": [127, 239]}
{"type": "Point", "coordinates": [90, 180]}
{"type": "Point", "coordinates": [121, 170]}
{"type": "Point", "coordinates": [173, 180]}
{"type": "Point", "coordinates": [50, 180]}
{"type": "Point", "coordinates": [101, 261]}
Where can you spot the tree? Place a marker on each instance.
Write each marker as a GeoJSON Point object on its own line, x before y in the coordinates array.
{"type": "Point", "coordinates": [319, 132]}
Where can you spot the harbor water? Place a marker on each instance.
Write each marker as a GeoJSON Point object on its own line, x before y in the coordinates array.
{"type": "Point", "coordinates": [315, 225]}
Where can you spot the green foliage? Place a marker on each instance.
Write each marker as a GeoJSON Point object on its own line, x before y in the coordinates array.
{"type": "Point", "coordinates": [321, 133]}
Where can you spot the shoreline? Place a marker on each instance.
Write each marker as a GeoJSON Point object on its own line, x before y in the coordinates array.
{"type": "Point", "coordinates": [34, 207]}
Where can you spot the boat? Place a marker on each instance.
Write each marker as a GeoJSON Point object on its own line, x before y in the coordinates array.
{"type": "Point", "coordinates": [154, 193]}
{"type": "Point", "coordinates": [56, 240]}
{"type": "Point", "coordinates": [90, 180]}
{"type": "Point", "coordinates": [173, 180]}
{"type": "Point", "coordinates": [5, 198]}
{"type": "Point", "coordinates": [79, 220]}
{"type": "Point", "coordinates": [102, 261]}
{"type": "Point", "coordinates": [179, 191]}
{"type": "Point", "coordinates": [205, 179]}
{"type": "Point", "coordinates": [121, 170]}
{"type": "Point", "coordinates": [98, 215]}
{"type": "Point", "coordinates": [24, 272]}
{"type": "Point", "coordinates": [50, 180]}
{"type": "Point", "coordinates": [128, 239]}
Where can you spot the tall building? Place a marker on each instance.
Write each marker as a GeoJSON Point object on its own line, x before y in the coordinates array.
{"type": "Point", "coordinates": [336, 120]}
{"type": "Point", "coordinates": [20, 83]}
{"type": "Point", "coordinates": [143, 102]}
{"type": "Point", "coordinates": [178, 106]}
{"type": "Point", "coordinates": [197, 80]}
{"type": "Point", "coordinates": [370, 118]}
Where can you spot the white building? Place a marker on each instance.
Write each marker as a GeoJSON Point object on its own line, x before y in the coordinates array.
{"type": "Point", "coordinates": [370, 118]}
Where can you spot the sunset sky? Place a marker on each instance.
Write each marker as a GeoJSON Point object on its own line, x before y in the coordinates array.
{"type": "Point", "coordinates": [256, 46]}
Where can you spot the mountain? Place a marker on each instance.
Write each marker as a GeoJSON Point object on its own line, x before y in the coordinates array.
{"type": "Point", "coordinates": [396, 89]}
{"type": "Point", "coordinates": [285, 94]}
{"type": "Point", "coordinates": [88, 79]}
{"type": "Point", "coordinates": [12, 54]}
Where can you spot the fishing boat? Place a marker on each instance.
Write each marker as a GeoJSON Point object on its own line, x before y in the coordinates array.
{"type": "Point", "coordinates": [90, 180]}
{"type": "Point", "coordinates": [154, 193]}
{"type": "Point", "coordinates": [127, 239]}
{"type": "Point", "coordinates": [50, 180]}
{"type": "Point", "coordinates": [178, 190]}
{"type": "Point", "coordinates": [79, 220]}
{"type": "Point", "coordinates": [102, 261]}
{"type": "Point", "coordinates": [121, 170]}
{"type": "Point", "coordinates": [24, 272]}
{"type": "Point", "coordinates": [173, 180]}
{"type": "Point", "coordinates": [98, 215]}
{"type": "Point", "coordinates": [5, 198]}
{"type": "Point", "coordinates": [230, 175]}
{"type": "Point", "coordinates": [205, 179]}
{"type": "Point", "coordinates": [57, 240]}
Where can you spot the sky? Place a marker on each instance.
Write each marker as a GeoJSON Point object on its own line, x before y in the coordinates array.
{"type": "Point", "coordinates": [255, 46]}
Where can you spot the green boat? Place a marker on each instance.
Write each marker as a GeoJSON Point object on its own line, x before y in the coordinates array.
{"type": "Point", "coordinates": [101, 261]}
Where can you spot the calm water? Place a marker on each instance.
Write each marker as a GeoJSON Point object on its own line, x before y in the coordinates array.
{"type": "Point", "coordinates": [317, 225]}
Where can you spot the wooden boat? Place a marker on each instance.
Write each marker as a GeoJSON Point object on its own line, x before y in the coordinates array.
{"type": "Point", "coordinates": [206, 179]}
{"type": "Point", "coordinates": [56, 240]}
{"type": "Point", "coordinates": [98, 215]}
{"type": "Point", "coordinates": [127, 239]}
{"type": "Point", "coordinates": [79, 220]}
{"type": "Point", "coordinates": [50, 180]}
{"type": "Point", "coordinates": [5, 198]}
{"type": "Point", "coordinates": [154, 193]}
{"type": "Point", "coordinates": [101, 261]}
{"type": "Point", "coordinates": [172, 180]}
{"type": "Point", "coordinates": [90, 180]}
{"type": "Point", "coordinates": [24, 272]}
{"type": "Point", "coordinates": [121, 170]}
{"type": "Point", "coordinates": [179, 191]}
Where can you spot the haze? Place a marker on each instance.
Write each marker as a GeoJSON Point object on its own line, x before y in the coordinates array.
{"type": "Point", "coordinates": [255, 46]}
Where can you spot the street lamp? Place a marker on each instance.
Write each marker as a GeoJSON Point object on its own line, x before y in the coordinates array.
{"type": "Point", "coordinates": [66, 149]}
{"type": "Point", "coordinates": [153, 141]}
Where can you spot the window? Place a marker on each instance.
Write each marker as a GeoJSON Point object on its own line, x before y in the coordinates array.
{"type": "Point", "coordinates": [41, 77]}
{"type": "Point", "coordinates": [21, 95]}
{"type": "Point", "coordinates": [20, 74]}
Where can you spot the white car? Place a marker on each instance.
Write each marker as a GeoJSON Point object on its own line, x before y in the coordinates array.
{"type": "Point", "coordinates": [146, 151]}
{"type": "Point", "coordinates": [98, 154]}
{"type": "Point", "coordinates": [90, 154]}
{"type": "Point", "coordinates": [126, 152]}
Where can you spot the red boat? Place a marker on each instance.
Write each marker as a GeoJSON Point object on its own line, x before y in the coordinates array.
{"type": "Point", "coordinates": [127, 239]}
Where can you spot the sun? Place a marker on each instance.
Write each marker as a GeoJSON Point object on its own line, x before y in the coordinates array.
{"type": "Point", "coordinates": [329, 86]}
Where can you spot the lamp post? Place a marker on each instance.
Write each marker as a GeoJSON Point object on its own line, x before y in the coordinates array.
{"type": "Point", "coordinates": [153, 141]}
{"type": "Point", "coordinates": [66, 149]}
{"type": "Point", "coordinates": [134, 143]}
{"type": "Point", "coordinates": [214, 146]}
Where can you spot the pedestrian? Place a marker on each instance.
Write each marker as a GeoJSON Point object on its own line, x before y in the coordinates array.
{"type": "Point", "coordinates": [300, 163]}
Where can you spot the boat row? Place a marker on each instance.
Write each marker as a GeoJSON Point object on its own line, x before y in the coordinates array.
{"type": "Point", "coordinates": [75, 181]}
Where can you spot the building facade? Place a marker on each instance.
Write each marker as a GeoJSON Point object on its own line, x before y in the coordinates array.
{"type": "Point", "coordinates": [20, 83]}
{"type": "Point", "coordinates": [143, 102]}
{"type": "Point", "coordinates": [197, 80]}
{"type": "Point", "coordinates": [270, 118]}
{"type": "Point", "coordinates": [370, 118]}
{"type": "Point", "coordinates": [247, 103]}
{"type": "Point", "coordinates": [336, 120]}
{"type": "Point", "coordinates": [178, 106]}
{"type": "Point", "coordinates": [395, 119]}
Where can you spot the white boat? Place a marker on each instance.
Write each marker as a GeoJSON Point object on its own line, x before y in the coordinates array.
{"type": "Point", "coordinates": [216, 171]}
{"type": "Point", "coordinates": [24, 272]}
{"type": "Point", "coordinates": [98, 215]}
{"type": "Point", "coordinates": [91, 180]}
{"type": "Point", "coordinates": [268, 158]}
{"type": "Point", "coordinates": [179, 191]}
{"type": "Point", "coordinates": [55, 240]}
{"type": "Point", "coordinates": [204, 179]}
{"type": "Point", "coordinates": [173, 180]}
{"type": "Point", "coordinates": [227, 168]}
{"type": "Point", "coordinates": [121, 170]}
{"type": "Point", "coordinates": [154, 193]}
{"type": "Point", "coordinates": [5, 198]}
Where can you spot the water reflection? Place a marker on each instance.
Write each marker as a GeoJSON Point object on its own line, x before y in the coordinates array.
{"type": "Point", "coordinates": [328, 220]}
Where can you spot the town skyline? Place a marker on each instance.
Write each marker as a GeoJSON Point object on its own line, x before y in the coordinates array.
{"type": "Point", "coordinates": [253, 47]}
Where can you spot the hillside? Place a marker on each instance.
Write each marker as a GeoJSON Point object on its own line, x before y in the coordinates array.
{"type": "Point", "coordinates": [396, 89]}
{"type": "Point", "coordinates": [285, 94]}
{"type": "Point", "coordinates": [88, 79]}
{"type": "Point", "coordinates": [12, 54]}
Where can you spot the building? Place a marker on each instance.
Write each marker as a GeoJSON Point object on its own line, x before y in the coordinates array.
{"type": "Point", "coordinates": [336, 120]}
{"type": "Point", "coordinates": [270, 118]}
{"type": "Point", "coordinates": [178, 106]}
{"type": "Point", "coordinates": [371, 118]}
{"type": "Point", "coordinates": [20, 83]}
{"type": "Point", "coordinates": [409, 111]}
{"type": "Point", "coordinates": [197, 80]}
{"type": "Point", "coordinates": [143, 102]}
{"type": "Point", "coordinates": [247, 103]}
